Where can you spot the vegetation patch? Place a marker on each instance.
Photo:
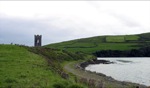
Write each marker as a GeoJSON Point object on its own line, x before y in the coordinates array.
{"type": "Point", "coordinates": [65, 84]}
{"type": "Point", "coordinates": [20, 68]}
{"type": "Point", "coordinates": [132, 37]}
{"type": "Point", "coordinates": [115, 39]}
{"type": "Point", "coordinates": [93, 44]}
{"type": "Point", "coordinates": [144, 37]}
{"type": "Point", "coordinates": [81, 45]}
{"type": "Point", "coordinates": [10, 80]}
{"type": "Point", "coordinates": [142, 52]}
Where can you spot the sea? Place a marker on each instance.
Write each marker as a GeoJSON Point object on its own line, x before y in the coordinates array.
{"type": "Point", "coordinates": [136, 70]}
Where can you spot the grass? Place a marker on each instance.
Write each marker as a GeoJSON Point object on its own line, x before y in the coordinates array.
{"type": "Point", "coordinates": [132, 38]}
{"type": "Point", "coordinates": [97, 39]}
{"type": "Point", "coordinates": [81, 45]}
{"type": "Point", "coordinates": [115, 39]}
{"type": "Point", "coordinates": [20, 68]}
{"type": "Point", "coordinates": [93, 44]}
{"type": "Point", "coordinates": [89, 47]}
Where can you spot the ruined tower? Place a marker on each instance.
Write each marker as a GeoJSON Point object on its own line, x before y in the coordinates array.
{"type": "Point", "coordinates": [37, 40]}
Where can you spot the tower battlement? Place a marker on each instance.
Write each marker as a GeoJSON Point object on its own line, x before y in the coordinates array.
{"type": "Point", "coordinates": [37, 40]}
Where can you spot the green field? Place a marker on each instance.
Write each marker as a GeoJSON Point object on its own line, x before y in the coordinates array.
{"type": "Point", "coordinates": [93, 44]}
{"type": "Point", "coordinates": [105, 46]}
{"type": "Point", "coordinates": [115, 39]}
{"type": "Point", "coordinates": [92, 47]}
{"type": "Point", "coordinates": [132, 38]}
{"type": "Point", "coordinates": [125, 38]}
{"type": "Point", "coordinates": [20, 68]}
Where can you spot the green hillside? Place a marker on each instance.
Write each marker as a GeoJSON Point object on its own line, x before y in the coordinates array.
{"type": "Point", "coordinates": [20, 68]}
{"type": "Point", "coordinates": [54, 66]}
{"type": "Point", "coordinates": [90, 45]}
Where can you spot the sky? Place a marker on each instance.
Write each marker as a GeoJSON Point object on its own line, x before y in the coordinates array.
{"type": "Point", "coordinates": [59, 21]}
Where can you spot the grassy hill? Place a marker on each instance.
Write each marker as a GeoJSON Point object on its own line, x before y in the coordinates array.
{"type": "Point", "coordinates": [42, 67]}
{"type": "Point", "coordinates": [92, 44]}
{"type": "Point", "coordinates": [20, 68]}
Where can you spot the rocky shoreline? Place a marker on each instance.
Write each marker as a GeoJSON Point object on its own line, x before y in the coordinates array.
{"type": "Point", "coordinates": [94, 61]}
{"type": "Point", "coordinates": [83, 65]}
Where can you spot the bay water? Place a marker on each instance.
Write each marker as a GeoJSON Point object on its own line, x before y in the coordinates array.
{"type": "Point", "coordinates": [136, 70]}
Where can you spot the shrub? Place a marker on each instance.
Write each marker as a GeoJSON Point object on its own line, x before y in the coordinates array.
{"type": "Point", "coordinates": [10, 80]}
{"type": "Point", "coordinates": [75, 86]}
{"type": "Point", "coordinates": [61, 84]}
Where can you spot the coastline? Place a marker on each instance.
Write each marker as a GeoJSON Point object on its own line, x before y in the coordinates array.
{"type": "Point", "coordinates": [83, 65]}
{"type": "Point", "coordinates": [94, 61]}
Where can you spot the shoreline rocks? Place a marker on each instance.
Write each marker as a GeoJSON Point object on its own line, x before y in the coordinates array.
{"type": "Point", "coordinates": [83, 65]}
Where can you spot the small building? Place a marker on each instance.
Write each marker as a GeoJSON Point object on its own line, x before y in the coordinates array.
{"type": "Point", "coordinates": [37, 40]}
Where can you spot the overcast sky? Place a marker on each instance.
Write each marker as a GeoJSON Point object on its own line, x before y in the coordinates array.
{"type": "Point", "coordinates": [60, 21]}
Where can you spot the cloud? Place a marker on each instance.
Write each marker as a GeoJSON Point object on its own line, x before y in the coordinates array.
{"type": "Point", "coordinates": [60, 21]}
{"type": "Point", "coordinates": [22, 31]}
{"type": "Point", "coordinates": [126, 20]}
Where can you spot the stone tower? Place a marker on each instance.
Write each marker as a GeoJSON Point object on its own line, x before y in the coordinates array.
{"type": "Point", "coordinates": [37, 40]}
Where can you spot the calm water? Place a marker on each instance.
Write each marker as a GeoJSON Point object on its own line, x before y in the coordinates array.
{"type": "Point", "coordinates": [135, 70]}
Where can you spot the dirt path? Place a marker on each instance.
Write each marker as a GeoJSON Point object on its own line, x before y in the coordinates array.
{"type": "Point", "coordinates": [108, 82]}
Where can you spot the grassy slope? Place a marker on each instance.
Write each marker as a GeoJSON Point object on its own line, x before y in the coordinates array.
{"type": "Point", "coordinates": [90, 45]}
{"type": "Point", "coordinates": [20, 68]}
